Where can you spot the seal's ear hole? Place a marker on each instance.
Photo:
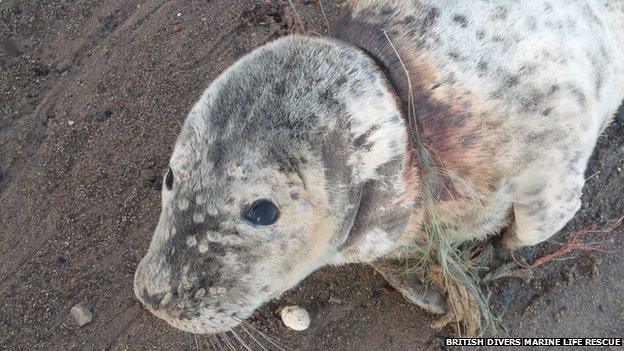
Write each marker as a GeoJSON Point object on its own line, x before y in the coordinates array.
{"type": "Point", "coordinates": [262, 212]}
{"type": "Point", "coordinates": [169, 179]}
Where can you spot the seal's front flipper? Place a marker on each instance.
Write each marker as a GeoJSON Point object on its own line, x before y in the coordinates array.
{"type": "Point", "coordinates": [412, 288]}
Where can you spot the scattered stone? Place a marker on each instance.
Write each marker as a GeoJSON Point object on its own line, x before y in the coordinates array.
{"type": "Point", "coordinates": [70, 122]}
{"type": "Point", "coordinates": [175, 28]}
{"type": "Point", "coordinates": [10, 47]}
{"type": "Point", "coordinates": [603, 308]}
{"type": "Point", "coordinates": [295, 317]}
{"type": "Point", "coordinates": [81, 314]}
{"type": "Point", "coordinates": [334, 300]}
{"type": "Point", "coordinates": [61, 259]}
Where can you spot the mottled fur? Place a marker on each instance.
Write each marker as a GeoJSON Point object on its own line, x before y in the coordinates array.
{"type": "Point", "coordinates": [510, 98]}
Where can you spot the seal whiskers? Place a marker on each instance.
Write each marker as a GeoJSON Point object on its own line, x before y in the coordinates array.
{"type": "Point", "coordinates": [252, 337]}
{"type": "Point", "coordinates": [269, 339]}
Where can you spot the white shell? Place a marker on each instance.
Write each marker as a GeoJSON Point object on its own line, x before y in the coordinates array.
{"type": "Point", "coordinates": [295, 317]}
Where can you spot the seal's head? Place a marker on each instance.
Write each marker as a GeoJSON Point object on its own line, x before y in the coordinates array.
{"type": "Point", "coordinates": [292, 159]}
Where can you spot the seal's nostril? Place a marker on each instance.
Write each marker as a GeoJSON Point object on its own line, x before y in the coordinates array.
{"type": "Point", "coordinates": [152, 301]}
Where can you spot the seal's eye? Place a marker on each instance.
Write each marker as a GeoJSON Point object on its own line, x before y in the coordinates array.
{"type": "Point", "coordinates": [169, 179]}
{"type": "Point", "coordinates": [262, 212]}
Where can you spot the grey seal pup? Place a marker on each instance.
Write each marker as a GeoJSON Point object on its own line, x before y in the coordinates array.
{"type": "Point", "coordinates": [298, 156]}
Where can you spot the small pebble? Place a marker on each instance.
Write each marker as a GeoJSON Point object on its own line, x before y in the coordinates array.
{"type": "Point", "coordinates": [295, 317]}
{"type": "Point", "coordinates": [70, 122]}
{"type": "Point", "coordinates": [603, 308]}
{"type": "Point", "coordinates": [81, 314]}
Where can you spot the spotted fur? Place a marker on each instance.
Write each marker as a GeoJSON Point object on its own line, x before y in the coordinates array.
{"type": "Point", "coordinates": [510, 98]}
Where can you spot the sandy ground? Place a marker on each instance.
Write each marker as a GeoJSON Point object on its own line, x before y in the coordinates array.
{"type": "Point", "coordinates": [93, 92]}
